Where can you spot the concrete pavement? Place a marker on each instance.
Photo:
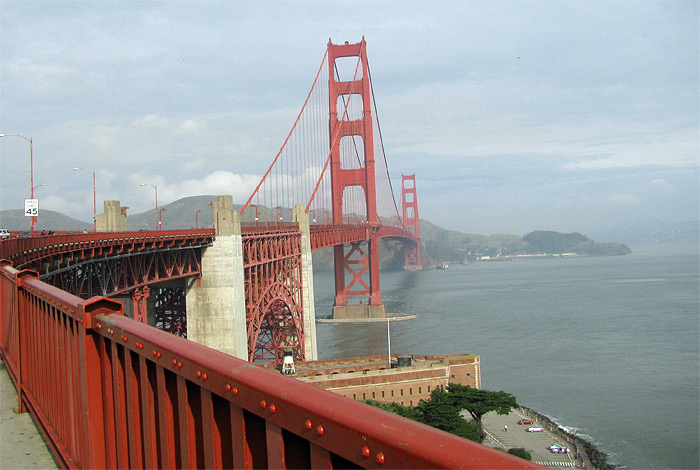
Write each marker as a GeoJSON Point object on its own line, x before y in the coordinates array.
{"type": "Point", "coordinates": [21, 444]}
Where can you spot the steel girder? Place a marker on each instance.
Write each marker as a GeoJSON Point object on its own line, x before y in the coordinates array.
{"type": "Point", "coordinates": [50, 253]}
{"type": "Point", "coordinates": [171, 310]}
{"type": "Point", "coordinates": [116, 275]}
{"type": "Point", "coordinates": [273, 291]}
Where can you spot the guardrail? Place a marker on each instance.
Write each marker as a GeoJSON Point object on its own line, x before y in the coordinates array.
{"type": "Point", "coordinates": [110, 392]}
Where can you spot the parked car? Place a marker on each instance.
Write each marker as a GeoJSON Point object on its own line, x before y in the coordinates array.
{"type": "Point", "coordinates": [525, 421]}
{"type": "Point", "coordinates": [535, 429]}
{"type": "Point", "coordinates": [557, 449]}
{"type": "Point", "coordinates": [4, 233]}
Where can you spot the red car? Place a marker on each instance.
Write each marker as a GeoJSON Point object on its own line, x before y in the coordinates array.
{"type": "Point", "coordinates": [525, 421]}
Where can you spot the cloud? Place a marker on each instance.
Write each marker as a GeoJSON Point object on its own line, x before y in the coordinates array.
{"type": "Point", "coordinates": [192, 125]}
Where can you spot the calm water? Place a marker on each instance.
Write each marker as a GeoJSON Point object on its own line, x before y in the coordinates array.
{"type": "Point", "coordinates": [608, 347]}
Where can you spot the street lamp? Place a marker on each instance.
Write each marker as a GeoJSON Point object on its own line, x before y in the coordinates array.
{"type": "Point", "coordinates": [160, 218]}
{"type": "Point", "coordinates": [156, 188]}
{"type": "Point", "coordinates": [196, 218]}
{"type": "Point", "coordinates": [257, 213]}
{"type": "Point", "coordinates": [94, 198]}
{"type": "Point", "coordinates": [31, 172]}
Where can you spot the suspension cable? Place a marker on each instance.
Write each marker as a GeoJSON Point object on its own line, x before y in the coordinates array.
{"type": "Point", "coordinates": [323, 61]}
{"type": "Point", "coordinates": [381, 141]}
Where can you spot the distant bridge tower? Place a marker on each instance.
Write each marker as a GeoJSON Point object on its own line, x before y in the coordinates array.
{"type": "Point", "coordinates": [348, 171]}
{"type": "Point", "coordinates": [409, 203]}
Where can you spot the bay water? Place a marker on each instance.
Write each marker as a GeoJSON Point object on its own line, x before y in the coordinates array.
{"type": "Point", "coordinates": [608, 347]}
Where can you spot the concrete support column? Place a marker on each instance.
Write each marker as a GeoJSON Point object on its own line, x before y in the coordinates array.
{"type": "Point", "coordinates": [216, 315]}
{"type": "Point", "coordinates": [113, 219]}
{"type": "Point", "coordinates": [307, 279]}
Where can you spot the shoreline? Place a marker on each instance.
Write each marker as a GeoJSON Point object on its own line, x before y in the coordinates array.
{"type": "Point", "coordinates": [597, 458]}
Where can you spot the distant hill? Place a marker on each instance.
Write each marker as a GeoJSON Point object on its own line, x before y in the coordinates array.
{"type": "Point", "coordinates": [179, 214]}
{"type": "Point", "coordinates": [14, 219]}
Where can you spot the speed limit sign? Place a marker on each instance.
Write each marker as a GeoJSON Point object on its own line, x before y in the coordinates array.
{"type": "Point", "coordinates": [31, 207]}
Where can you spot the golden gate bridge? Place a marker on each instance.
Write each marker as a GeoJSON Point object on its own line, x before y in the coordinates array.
{"type": "Point", "coordinates": [111, 391]}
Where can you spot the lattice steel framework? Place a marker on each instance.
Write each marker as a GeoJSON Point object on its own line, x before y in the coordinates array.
{"type": "Point", "coordinates": [116, 275]}
{"type": "Point", "coordinates": [171, 310]}
{"type": "Point", "coordinates": [273, 291]}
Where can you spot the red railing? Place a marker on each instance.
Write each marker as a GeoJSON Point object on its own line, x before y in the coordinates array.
{"type": "Point", "coordinates": [110, 392]}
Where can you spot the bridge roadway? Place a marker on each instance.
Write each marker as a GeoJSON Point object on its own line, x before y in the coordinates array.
{"type": "Point", "coordinates": [55, 251]}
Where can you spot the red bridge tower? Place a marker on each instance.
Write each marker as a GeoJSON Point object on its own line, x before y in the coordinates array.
{"type": "Point", "coordinates": [409, 203]}
{"type": "Point", "coordinates": [346, 173]}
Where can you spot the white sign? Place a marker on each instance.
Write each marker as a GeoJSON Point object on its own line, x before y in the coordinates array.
{"type": "Point", "coordinates": [31, 207]}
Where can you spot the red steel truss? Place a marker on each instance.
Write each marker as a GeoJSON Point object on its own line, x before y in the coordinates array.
{"type": "Point", "coordinates": [409, 203]}
{"type": "Point", "coordinates": [363, 177]}
{"type": "Point", "coordinates": [50, 253]}
{"type": "Point", "coordinates": [171, 310]}
{"type": "Point", "coordinates": [111, 276]}
{"type": "Point", "coordinates": [273, 291]}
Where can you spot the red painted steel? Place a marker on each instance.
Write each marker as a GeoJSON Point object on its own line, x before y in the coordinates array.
{"type": "Point", "coordinates": [170, 310]}
{"type": "Point", "coordinates": [110, 392]}
{"type": "Point", "coordinates": [344, 178]}
{"type": "Point", "coordinates": [64, 248]}
{"type": "Point", "coordinates": [273, 291]}
{"type": "Point", "coordinates": [409, 203]}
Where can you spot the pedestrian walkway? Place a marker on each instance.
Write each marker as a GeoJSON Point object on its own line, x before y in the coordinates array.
{"type": "Point", "coordinates": [21, 444]}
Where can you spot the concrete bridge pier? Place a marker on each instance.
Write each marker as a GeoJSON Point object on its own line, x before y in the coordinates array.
{"type": "Point", "coordinates": [113, 219]}
{"type": "Point", "coordinates": [216, 314]}
{"type": "Point", "coordinates": [307, 279]}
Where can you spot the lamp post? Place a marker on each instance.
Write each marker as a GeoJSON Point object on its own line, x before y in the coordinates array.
{"type": "Point", "coordinates": [94, 198]}
{"type": "Point", "coordinates": [257, 213]}
{"type": "Point", "coordinates": [160, 218]}
{"type": "Point", "coordinates": [196, 218]}
{"type": "Point", "coordinates": [156, 188]}
{"type": "Point", "coordinates": [31, 172]}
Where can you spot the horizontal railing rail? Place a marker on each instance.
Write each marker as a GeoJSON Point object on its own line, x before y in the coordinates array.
{"type": "Point", "coordinates": [111, 392]}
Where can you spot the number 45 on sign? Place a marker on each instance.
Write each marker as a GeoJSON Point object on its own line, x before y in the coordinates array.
{"type": "Point", "coordinates": [31, 207]}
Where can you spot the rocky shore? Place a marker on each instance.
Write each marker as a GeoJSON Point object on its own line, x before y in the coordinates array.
{"type": "Point", "coordinates": [587, 451]}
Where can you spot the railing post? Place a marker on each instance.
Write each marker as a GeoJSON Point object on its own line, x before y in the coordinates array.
{"type": "Point", "coordinates": [92, 394]}
{"type": "Point", "coordinates": [21, 311]}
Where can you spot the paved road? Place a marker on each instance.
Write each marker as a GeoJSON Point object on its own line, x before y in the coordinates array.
{"type": "Point", "coordinates": [517, 436]}
{"type": "Point", "coordinates": [21, 445]}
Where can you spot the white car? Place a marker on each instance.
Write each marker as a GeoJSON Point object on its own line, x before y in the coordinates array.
{"type": "Point", "coordinates": [535, 429]}
{"type": "Point", "coordinates": [4, 233]}
{"type": "Point", "coordinates": [557, 449]}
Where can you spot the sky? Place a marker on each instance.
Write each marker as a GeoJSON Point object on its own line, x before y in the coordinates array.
{"type": "Point", "coordinates": [515, 116]}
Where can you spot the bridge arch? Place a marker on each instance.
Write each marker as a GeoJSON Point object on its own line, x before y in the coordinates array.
{"type": "Point", "coordinates": [276, 326]}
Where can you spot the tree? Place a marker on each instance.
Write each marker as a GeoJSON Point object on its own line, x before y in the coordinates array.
{"type": "Point", "coordinates": [398, 409]}
{"type": "Point", "coordinates": [479, 402]}
{"type": "Point", "coordinates": [520, 452]}
{"type": "Point", "coordinates": [440, 412]}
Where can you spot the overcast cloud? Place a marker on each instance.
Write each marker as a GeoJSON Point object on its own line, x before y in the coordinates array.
{"type": "Point", "coordinates": [514, 116]}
